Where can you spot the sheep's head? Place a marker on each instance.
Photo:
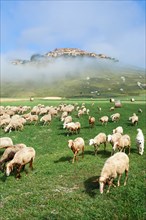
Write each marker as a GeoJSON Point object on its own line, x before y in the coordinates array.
{"type": "Point", "coordinates": [9, 168]}
{"type": "Point", "coordinates": [70, 143]}
{"type": "Point", "coordinates": [109, 137]}
{"type": "Point", "coordinates": [139, 130]}
{"type": "Point", "coordinates": [91, 142]}
{"type": "Point", "coordinates": [102, 182]}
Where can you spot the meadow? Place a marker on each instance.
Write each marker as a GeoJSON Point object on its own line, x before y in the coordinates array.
{"type": "Point", "coordinates": [56, 188]}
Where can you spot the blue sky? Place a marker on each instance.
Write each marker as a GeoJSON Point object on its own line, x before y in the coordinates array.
{"type": "Point", "coordinates": [116, 28]}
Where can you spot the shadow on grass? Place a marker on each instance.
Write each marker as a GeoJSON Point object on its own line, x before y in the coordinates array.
{"type": "Point", "coordinates": [91, 186]}
{"type": "Point", "coordinates": [3, 178]}
{"type": "Point", "coordinates": [63, 159]}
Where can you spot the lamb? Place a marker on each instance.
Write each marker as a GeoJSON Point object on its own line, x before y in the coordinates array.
{"type": "Point", "coordinates": [91, 121]}
{"type": "Point", "coordinates": [134, 119]}
{"type": "Point", "coordinates": [99, 139]}
{"type": "Point", "coordinates": [140, 141]}
{"type": "Point", "coordinates": [9, 154]}
{"type": "Point", "coordinates": [46, 118]}
{"type": "Point", "coordinates": [21, 158]}
{"type": "Point", "coordinates": [113, 167]}
{"type": "Point", "coordinates": [5, 141]}
{"type": "Point", "coordinates": [76, 145]}
{"type": "Point", "coordinates": [115, 117]}
{"type": "Point", "coordinates": [104, 120]}
{"type": "Point", "coordinates": [122, 143]}
{"type": "Point", "coordinates": [119, 129]}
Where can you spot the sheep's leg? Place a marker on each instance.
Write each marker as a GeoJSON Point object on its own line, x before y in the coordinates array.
{"type": "Point", "coordinates": [18, 171]}
{"type": "Point", "coordinates": [118, 184]}
{"type": "Point", "coordinates": [129, 150]}
{"type": "Point", "coordinates": [109, 185]}
{"type": "Point", "coordinates": [75, 157]}
{"type": "Point", "coordinates": [126, 177]}
{"type": "Point", "coordinates": [95, 150]}
{"type": "Point", "coordinates": [30, 164]}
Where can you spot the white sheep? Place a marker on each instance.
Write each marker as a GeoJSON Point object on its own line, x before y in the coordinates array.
{"type": "Point", "coordinates": [76, 145]}
{"type": "Point", "coordinates": [118, 129]}
{"type": "Point", "coordinates": [9, 154]}
{"type": "Point", "coordinates": [21, 158]}
{"type": "Point", "coordinates": [97, 141]}
{"type": "Point", "coordinates": [67, 119]}
{"type": "Point", "coordinates": [46, 119]}
{"type": "Point", "coordinates": [114, 166]}
{"type": "Point", "coordinates": [122, 143]}
{"type": "Point", "coordinates": [104, 120]}
{"type": "Point", "coordinates": [115, 117]}
{"type": "Point", "coordinates": [140, 141]}
{"type": "Point", "coordinates": [112, 139]}
{"type": "Point", "coordinates": [5, 142]}
{"type": "Point", "coordinates": [134, 119]}
{"type": "Point", "coordinates": [72, 127]}
{"type": "Point", "coordinates": [14, 125]}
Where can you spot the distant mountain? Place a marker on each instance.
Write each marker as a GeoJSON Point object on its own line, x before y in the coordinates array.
{"type": "Point", "coordinates": [71, 72]}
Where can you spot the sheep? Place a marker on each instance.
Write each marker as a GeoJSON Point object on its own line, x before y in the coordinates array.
{"type": "Point", "coordinates": [104, 120]}
{"type": "Point", "coordinates": [5, 141]}
{"type": "Point", "coordinates": [64, 115]}
{"type": "Point", "coordinates": [76, 145]}
{"type": "Point", "coordinates": [134, 119]}
{"type": "Point", "coordinates": [115, 117]}
{"type": "Point", "coordinates": [112, 108]}
{"type": "Point", "coordinates": [32, 118]}
{"type": "Point", "coordinates": [73, 127]}
{"type": "Point", "coordinates": [14, 125]}
{"type": "Point", "coordinates": [91, 121]}
{"type": "Point", "coordinates": [140, 141]}
{"type": "Point", "coordinates": [114, 166]}
{"type": "Point", "coordinates": [21, 158]}
{"type": "Point", "coordinates": [139, 110]}
{"type": "Point", "coordinates": [46, 118]}
{"type": "Point", "coordinates": [112, 139]}
{"type": "Point", "coordinates": [122, 143]}
{"type": "Point", "coordinates": [119, 129]}
{"type": "Point", "coordinates": [67, 119]}
{"type": "Point", "coordinates": [99, 139]}
{"type": "Point", "coordinates": [9, 154]}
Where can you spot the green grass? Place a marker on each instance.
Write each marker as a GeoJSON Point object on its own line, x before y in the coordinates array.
{"type": "Point", "coordinates": [58, 189]}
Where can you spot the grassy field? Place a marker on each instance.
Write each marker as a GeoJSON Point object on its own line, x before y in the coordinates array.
{"type": "Point", "coordinates": [58, 189]}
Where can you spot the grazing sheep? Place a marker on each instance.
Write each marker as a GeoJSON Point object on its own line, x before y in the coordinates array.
{"type": "Point", "coordinates": [134, 119]}
{"type": "Point", "coordinates": [122, 143]}
{"type": "Point", "coordinates": [46, 119]}
{"type": "Point", "coordinates": [64, 115]}
{"type": "Point", "coordinates": [21, 158]}
{"type": "Point", "coordinates": [112, 139]}
{"type": "Point", "coordinates": [119, 129]}
{"type": "Point", "coordinates": [104, 120]}
{"type": "Point", "coordinates": [91, 121]}
{"type": "Point", "coordinates": [99, 139]}
{"type": "Point", "coordinates": [9, 154]}
{"type": "Point", "coordinates": [76, 145]}
{"type": "Point", "coordinates": [73, 127]}
{"type": "Point", "coordinates": [5, 141]}
{"type": "Point", "coordinates": [140, 141]}
{"type": "Point", "coordinates": [32, 118]}
{"type": "Point", "coordinates": [14, 125]}
{"type": "Point", "coordinates": [112, 108]}
{"type": "Point", "coordinates": [115, 117]}
{"type": "Point", "coordinates": [114, 166]}
{"type": "Point", "coordinates": [67, 119]}
{"type": "Point", "coordinates": [139, 110]}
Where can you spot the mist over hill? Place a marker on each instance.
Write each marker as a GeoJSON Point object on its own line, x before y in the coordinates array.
{"type": "Point", "coordinates": [70, 72]}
